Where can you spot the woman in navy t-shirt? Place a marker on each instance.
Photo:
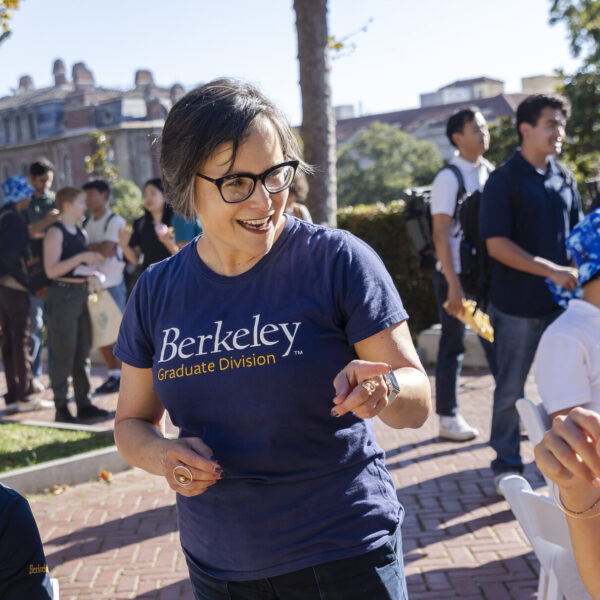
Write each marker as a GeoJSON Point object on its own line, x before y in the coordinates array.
{"type": "Point", "coordinates": [272, 343]}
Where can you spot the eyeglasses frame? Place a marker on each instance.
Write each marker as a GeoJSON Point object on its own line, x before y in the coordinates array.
{"type": "Point", "coordinates": [221, 180]}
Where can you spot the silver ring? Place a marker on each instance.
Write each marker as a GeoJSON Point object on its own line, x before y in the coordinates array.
{"type": "Point", "coordinates": [184, 479]}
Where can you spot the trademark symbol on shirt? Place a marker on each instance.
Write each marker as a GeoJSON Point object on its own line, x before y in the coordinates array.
{"type": "Point", "coordinates": [297, 352]}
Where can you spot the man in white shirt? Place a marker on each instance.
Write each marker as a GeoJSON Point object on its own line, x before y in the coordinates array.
{"type": "Point", "coordinates": [467, 131]}
{"type": "Point", "coordinates": [567, 362]}
{"type": "Point", "coordinates": [102, 229]}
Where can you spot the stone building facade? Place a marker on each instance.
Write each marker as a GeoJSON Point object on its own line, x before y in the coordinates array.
{"type": "Point", "coordinates": [54, 122]}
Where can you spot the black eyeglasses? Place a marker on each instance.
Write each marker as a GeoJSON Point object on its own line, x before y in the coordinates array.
{"type": "Point", "coordinates": [239, 187]}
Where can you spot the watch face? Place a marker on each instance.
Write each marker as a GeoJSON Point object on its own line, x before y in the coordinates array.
{"type": "Point", "coordinates": [392, 382]}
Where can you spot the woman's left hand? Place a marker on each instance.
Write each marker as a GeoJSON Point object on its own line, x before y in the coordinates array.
{"type": "Point", "coordinates": [360, 388]}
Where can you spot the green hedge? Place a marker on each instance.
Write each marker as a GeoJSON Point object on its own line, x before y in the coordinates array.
{"type": "Point", "coordinates": [382, 227]}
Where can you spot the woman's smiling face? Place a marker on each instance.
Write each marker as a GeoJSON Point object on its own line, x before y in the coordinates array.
{"type": "Point", "coordinates": [237, 236]}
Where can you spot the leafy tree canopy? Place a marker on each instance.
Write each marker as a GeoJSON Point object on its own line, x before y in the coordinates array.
{"type": "Point", "coordinates": [128, 200]}
{"type": "Point", "coordinates": [381, 162]}
{"type": "Point", "coordinates": [582, 88]}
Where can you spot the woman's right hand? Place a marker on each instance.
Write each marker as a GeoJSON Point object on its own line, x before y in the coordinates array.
{"type": "Point", "coordinates": [196, 456]}
{"type": "Point", "coordinates": [568, 455]}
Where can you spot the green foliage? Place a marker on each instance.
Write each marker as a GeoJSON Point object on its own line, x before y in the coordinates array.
{"type": "Point", "coordinates": [503, 140]}
{"type": "Point", "coordinates": [100, 163]}
{"type": "Point", "coordinates": [582, 18]}
{"type": "Point", "coordinates": [582, 88]}
{"type": "Point", "coordinates": [7, 7]}
{"type": "Point", "coordinates": [382, 227]}
{"type": "Point", "coordinates": [381, 162]}
{"type": "Point", "coordinates": [128, 200]}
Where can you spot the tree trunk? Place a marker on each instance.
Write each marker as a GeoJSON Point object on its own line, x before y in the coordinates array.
{"type": "Point", "coordinates": [318, 122]}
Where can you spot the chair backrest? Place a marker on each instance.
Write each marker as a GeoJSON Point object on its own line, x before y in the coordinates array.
{"type": "Point", "coordinates": [55, 586]}
{"type": "Point", "coordinates": [535, 418]}
{"type": "Point", "coordinates": [548, 533]}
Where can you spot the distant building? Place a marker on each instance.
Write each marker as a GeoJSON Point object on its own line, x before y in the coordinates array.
{"type": "Point", "coordinates": [463, 90]}
{"type": "Point", "coordinates": [429, 123]}
{"type": "Point", "coordinates": [54, 122]}
{"type": "Point", "coordinates": [540, 84]}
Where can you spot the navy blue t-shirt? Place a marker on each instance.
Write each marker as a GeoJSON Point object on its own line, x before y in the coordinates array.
{"type": "Point", "coordinates": [23, 568]}
{"type": "Point", "coordinates": [247, 364]}
{"type": "Point", "coordinates": [546, 210]}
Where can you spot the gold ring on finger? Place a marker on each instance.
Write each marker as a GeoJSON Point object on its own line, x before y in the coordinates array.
{"type": "Point", "coordinates": [182, 475]}
{"type": "Point", "coordinates": [370, 386]}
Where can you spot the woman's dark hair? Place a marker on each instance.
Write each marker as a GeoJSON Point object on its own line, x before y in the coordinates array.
{"type": "Point", "coordinates": [157, 183]}
{"type": "Point", "coordinates": [531, 108]}
{"type": "Point", "coordinates": [210, 115]}
{"type": "Point", "coordinates": [456, 123]}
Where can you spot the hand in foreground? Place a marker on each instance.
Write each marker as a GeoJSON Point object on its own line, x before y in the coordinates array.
{"type": "Point", "coordinates": [191, 456]}
{"type": "Point", "coordinates": [454, 302]}
{"type": "Point", "coordinates": [566, 277]}
{"type": "Point", "coordinates": [360, 388]}
{"type": "Point", "coordinates": [568, 453]}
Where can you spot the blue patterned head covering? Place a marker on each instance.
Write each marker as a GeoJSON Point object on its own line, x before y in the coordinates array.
{"type": "Point", "coordinates": [15, 189]}
{"type": "Point", "coordinates": [584, 245]}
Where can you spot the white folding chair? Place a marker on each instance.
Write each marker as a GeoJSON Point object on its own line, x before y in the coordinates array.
{"type": "Point", "coordinates": [55, 592]}
{"type": "Point", "coordinates": [546, 529]}
{"type": "Point", "coordinates": [536, 421]}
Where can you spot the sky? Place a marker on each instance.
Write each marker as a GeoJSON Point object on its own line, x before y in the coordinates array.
{"type": "Point", "coordinates": [409, 46]}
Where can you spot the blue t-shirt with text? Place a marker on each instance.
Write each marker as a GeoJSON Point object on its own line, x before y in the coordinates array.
{"type": "Point", "coordinates": [247, 364]}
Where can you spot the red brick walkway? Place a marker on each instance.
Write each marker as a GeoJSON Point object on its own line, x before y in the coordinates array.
{"type": "Point", "coordinates": [119, 540]}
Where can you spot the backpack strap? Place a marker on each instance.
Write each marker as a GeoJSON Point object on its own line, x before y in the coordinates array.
{"type": "Point", "coordinates": [461, 186]}
{"type": "Point", "coordinates": [112, 214]}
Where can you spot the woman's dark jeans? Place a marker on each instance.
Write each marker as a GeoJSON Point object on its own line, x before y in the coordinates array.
{"type": "Point", "coordinates": [376, 575]}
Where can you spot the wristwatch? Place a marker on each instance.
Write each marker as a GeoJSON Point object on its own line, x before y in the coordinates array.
{"type": "Point", "coordinates": [393, 386]}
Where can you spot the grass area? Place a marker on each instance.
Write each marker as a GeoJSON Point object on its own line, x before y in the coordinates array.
{"type": "Point", "coordinates": [25, 445]}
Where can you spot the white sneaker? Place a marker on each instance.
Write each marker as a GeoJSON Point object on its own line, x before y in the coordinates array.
{"type": "Point", "coordinates": [457, 429]}
{"type": "Point", "coordinates": [37, 386]}
{"type": "Point", "coordinates": [33, 403]}
{"type": "Point", "coordinates": [498, 478]}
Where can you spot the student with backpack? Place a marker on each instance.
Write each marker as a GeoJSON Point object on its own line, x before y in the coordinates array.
{"type": "Point", "coordinates": [466, 174]}
{"type": "Point", "coordinates": [528, 206]}
{"type": "Point", "coordinates": [102, 228]}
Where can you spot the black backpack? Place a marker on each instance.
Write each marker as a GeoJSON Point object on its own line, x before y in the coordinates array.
{"type": "Point", "coordinates": [417, 219]}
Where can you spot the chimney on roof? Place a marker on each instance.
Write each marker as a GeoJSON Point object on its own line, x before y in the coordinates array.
{"type": "Point", "coordinates": [58, 71]}
{"type": "Point", "coordinates": [177, 92]}
{"type": "Point", "coordinates": [143, 78]}
{"type": "Point", "coordinates": [25, 83]}
{"type": "Point", "coordinates": [82, 76]}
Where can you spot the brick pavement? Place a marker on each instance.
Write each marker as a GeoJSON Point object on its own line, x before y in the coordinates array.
{"type": "Point", "coordinates": [119, 540]}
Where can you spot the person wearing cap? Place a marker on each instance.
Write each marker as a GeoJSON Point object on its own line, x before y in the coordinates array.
{"type": "Point", "coordinates": [567, 363]}
{"type": "Point", "coordinates": [14, 298]}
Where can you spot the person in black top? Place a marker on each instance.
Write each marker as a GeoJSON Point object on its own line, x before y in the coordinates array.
{"type": "Point", "coordinates": [67, 317]}
{"type": "Point", "coordinates": [152, 234]}
{"type": "Point", "coordinates": [23, 568]}
{"type": "Point", "coordinates": [14, 297]}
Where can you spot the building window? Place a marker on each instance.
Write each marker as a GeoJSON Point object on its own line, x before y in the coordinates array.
{"type": "Point", "coordinates": [68, 169]}
{"type": "Point", "coordinates": [25, 170]}
{"type": "Point", "coordinates": [31, 124]}
{"type": "Point", "coordinates": [19, 129]}
{"type": "Point", "coordinates": [6, 123]}
{"type": "Point", "coordinates": [5, 172]}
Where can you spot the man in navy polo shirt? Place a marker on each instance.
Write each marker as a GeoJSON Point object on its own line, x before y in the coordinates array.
{"type": "Point", "coordinates": [528, 206]}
